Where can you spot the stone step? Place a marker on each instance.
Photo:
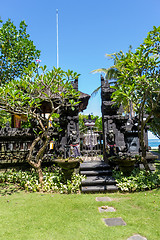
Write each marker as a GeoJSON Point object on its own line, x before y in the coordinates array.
{"type": "Point", "coordinates": [96, 172]}
{"type": "Point", "coordinates": [94, 165]}
{"type": "Point", "coordinates": [97, 180]}
{"type": "Point", "coordinates": [99, 188]}
{"type": "Point", "coordinates": [98, 177]}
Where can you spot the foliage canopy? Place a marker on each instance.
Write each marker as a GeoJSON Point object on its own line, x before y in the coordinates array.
{"type": "Point", "coordinates": [138, 83]}
{"type": "Point", "coordinates": [26, 96]}
{"type": "Point", "coordinates": [17, 51]}
{"type": "Point", "coordinates": [98, 122]}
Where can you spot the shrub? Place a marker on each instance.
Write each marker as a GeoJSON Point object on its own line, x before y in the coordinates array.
{"type": "Point", "coordinates": [52, 181]}
{"type": "Point", "coordinates": [139, 180]}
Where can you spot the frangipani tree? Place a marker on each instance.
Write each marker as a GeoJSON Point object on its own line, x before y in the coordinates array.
{"type": "Point", "coordinates": [25, 97]}
{"type": "Point", "coordinates": [139, 82]}
{"type": "Point", "coordinates": [155, 123]}
{"type": "Point", "coordinates": [137, 85]}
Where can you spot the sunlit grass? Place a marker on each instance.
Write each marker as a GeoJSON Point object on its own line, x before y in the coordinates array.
{"type": "Point", "coordinates": [63, 217]}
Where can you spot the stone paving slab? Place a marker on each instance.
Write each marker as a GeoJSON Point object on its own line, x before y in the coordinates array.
{"type": "Point", "coordinates": [106, 209]}
{"type": "Point", "coordinates": [136, 237]}
{"type": "Point", "coordinates": [103, 199]}
{"type": "Point", "coordinates": [114, 222]}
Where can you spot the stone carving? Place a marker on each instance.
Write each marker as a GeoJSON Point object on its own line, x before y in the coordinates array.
{"type": "Point", "coordinates": [66, 143]}
{"type": "Point", "coordinates": [120, 132]}
{"type": "Point", "coordinates": [111, 146]}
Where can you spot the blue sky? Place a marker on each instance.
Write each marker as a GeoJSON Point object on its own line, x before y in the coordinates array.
{"type": "Point", "coordinates": [88, 29]}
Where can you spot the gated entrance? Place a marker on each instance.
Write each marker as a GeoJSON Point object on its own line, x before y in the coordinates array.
{"type": "Point", "coordinates": [90, 141]}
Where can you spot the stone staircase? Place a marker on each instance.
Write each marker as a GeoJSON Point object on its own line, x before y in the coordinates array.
{"type": "Point", "coordinates": [98, 177]}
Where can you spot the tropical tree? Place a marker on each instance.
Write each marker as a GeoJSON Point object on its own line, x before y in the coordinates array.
{"type": "Point", "coordinates": [26, 95]}
{"type": "Point", "coordinates": [4, 118]}
{"type": "Point", "coordinates": [155, 123]}
{"type": "Point", "coordinates": [139, 82]}
{"type": "Point", "coordinates": [110, 74]}
{"type": "Point", "coordinates": [17, 51]}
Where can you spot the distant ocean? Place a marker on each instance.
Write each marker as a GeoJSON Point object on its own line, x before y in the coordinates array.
{"type": "Point", "coordinates": [153, 143]}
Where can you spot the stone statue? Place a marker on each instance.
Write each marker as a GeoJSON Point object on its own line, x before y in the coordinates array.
{"type": "Point", "coordinates": [111, 146]}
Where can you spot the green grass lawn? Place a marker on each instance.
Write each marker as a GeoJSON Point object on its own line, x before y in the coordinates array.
{"type": "Point", "coordinates": [65, 217]}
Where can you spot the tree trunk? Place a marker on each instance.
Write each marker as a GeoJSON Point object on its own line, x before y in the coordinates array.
{"type": "Point", "coordinates": [144, 160]}
{"type": "Point", "coordinates": [40, 174]}
{"type": "Point", "coordinates": [131, 110]}
{"type": "Point", "coordinates": [37, 163]}
{"type": "Point", "coordinates": [143, 148]}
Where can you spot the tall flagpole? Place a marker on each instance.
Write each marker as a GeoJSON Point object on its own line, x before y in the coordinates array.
{"type": "Point", "coordinates": [57, 38]}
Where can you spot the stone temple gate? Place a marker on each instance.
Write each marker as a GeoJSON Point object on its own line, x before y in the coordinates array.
{"type": "Point", "coordinates": [15, 141]}
{"type": "Point", "coordinates": [91, 141]}
{"type": "Point", "coordinates": [119, 137]}
{"type": "Point", "coordinates": [120, 133]}
{"type": "Point", "coordinates": [120, 143]}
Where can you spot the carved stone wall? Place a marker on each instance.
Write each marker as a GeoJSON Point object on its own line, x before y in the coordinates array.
{"type": "Point", "coordinates": [120, 133]}
{"type": "Point", "coordinates": [15, 143]}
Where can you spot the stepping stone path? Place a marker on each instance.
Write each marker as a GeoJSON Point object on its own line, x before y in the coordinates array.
{"type": "Point", "coordinates": [137, 237]}
{"type": "Point", "coordinates": [109, 221]}
{"type": "Point", "coordinates": [106, 209]}
{"type": "Point", "coordinates": [103, 199]}
{"type": "Point", "coordinates": [115, 221]}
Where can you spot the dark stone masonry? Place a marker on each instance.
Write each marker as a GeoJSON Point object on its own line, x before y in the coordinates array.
{"type": "Point", "coordinates": [120, 131]}
{"type": "Point", "coordinates": [16, 141]}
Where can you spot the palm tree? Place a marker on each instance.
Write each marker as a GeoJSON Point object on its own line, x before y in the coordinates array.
{"type": "Point", "coordinates": [110, 73]}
